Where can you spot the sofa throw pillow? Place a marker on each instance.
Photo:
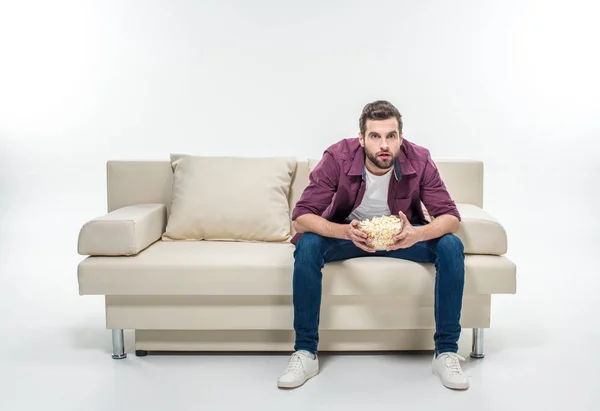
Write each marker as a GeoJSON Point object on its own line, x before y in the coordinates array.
{"type": "Point", "coordinates": [230, 198]}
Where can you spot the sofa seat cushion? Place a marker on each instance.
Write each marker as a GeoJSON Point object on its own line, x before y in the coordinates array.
{"type": "Point", "coordinates": [243, 268]}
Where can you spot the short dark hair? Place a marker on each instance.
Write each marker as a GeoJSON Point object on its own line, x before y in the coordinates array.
{"type": "Point", "coordinates": [379, 110]}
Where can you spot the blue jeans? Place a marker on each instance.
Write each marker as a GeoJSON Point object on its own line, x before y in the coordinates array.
{"type": "Point", "coordinates": [313, 251]}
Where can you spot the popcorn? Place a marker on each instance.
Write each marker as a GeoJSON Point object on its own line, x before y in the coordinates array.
{"type": "Point", "coordinates": [381, 230]}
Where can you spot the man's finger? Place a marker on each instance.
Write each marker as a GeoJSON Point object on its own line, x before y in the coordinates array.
{"type": "Point", "coordinates": [400, 237]}
{"type": "Point", "coordinates": [359, 234]}
{"type": "Point", "coordinates": [399, 244]}
{"type": "Point", "coordinates": [357, 231]}
{"type": "Point", "coordinates": [363, 247]}
{"type": "Point", "coordinates": [404, 218]}
{"type": "Point", "coordinates": [402, 244]}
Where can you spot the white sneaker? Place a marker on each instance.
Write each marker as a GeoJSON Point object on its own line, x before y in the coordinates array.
{"type": "Point", "coordinates": [447, 368]}
{"type": "Point", "coordinates": [300, 368]}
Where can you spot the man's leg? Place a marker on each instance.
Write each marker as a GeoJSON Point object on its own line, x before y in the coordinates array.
{"type": "Point", "coordinates": [449, 286]}
{"type": "Point", "coordinates": [311, 254]}
{"type": "Point", "coordinates": [447, 254]}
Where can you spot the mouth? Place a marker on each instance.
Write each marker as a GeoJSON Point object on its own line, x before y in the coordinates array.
{"type": "Point", "coordinates": [385, 156]}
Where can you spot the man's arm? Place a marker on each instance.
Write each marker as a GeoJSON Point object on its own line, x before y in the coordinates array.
{"type": "Point", "coordinates": [317, 196]}
{"type": "Point", "coordinates": [312, 223]}
{"type": "Point", "coordinates": [411, 235]}
{"type": "Point", "coordinates": [439, 204]}
{"type": "Point", "coordinates": [318, 225]}
{"type": "Point", "coordinates": [444, 224]}
{"type": "Point", "coordinates": [322, 184]}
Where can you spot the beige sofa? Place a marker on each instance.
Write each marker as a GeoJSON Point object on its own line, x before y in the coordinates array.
{"type": "Point", "coordinates": [236, 295]}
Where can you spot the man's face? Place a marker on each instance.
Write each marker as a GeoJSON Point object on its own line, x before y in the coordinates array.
{"type": "Point", "coordinates": [382, 141]}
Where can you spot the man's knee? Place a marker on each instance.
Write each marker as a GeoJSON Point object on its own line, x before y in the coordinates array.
{"type": "Point", "coordinates": [309, 245]}
{"type": "Point", "coordinates": [450, 245]}
{"type": "Point", "coordinates": [450, 261]}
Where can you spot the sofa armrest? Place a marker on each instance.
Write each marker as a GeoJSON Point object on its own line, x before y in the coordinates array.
{"type": "Point", "coordinates": [123, 232]}
{"type": "Point", "coordinates": [480, 232]}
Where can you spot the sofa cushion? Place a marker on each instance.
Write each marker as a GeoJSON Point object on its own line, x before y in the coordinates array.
{"type": "Point", "coordinates": [480, 232]}
{"type": "Point", "coordinates": [245, 268]}
{"type": "Point", "coordinates": [230, 198]}
{"type": "Point", "coordinates": [125, 231]}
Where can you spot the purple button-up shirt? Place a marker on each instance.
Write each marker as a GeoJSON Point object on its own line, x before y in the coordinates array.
{"type": "Point", "coordinates": [337, 185]}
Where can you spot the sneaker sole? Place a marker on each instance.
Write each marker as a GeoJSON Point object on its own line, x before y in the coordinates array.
{"type": "Point", "coordinates": [296, 385]}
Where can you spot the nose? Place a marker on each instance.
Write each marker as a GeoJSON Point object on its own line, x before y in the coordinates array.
{"type": "Point", "coordinates": [384, 144]}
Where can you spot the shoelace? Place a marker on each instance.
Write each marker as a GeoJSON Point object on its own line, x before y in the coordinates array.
{"type": "Point", "coordinates": [452, 364]}
{"type": "Point", "coordinates": [295, 365]}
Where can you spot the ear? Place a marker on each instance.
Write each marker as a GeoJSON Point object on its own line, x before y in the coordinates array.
{"type": "Point", "coordinates": [361, 138]}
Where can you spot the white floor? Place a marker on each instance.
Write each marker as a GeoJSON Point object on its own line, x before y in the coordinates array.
{"type": "Point", "coordinates": [55, 352]}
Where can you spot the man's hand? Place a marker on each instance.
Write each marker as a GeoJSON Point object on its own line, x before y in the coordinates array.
{"type": "Point", "coordinates": [408, 237]}
{"type": "Point", "coordinates": [359, 237]}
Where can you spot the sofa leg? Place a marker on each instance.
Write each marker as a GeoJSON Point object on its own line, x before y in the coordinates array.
{"type": "Point", "coordinates": [118, 345]}
{"type": "Point", "coordinates": [477, 349]}
{"type": "Point", "coordinates": [141, 353]}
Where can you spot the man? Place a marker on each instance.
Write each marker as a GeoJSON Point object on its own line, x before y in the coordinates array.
{"type": "Point", "coordinates": [378, 173]}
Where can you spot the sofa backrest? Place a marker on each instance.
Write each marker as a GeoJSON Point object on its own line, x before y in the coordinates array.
{"type": "Point", "coordinates": [132, 182]}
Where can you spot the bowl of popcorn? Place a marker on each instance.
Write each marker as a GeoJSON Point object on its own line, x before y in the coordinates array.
{"type": "Point", "coordinates": [381, 230]}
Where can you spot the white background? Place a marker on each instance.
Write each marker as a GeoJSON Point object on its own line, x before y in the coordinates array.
{"type": "Point", "coordinates": [513, 83]}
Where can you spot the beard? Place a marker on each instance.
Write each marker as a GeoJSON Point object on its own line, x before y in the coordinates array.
{"type": "Point", "coordinates": [382, 163]}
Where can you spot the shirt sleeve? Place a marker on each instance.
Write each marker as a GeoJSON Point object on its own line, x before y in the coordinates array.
{"type": "Point", "coordinates": [322, 185]}
{"type": "Point", "coordinates": [434, 194]}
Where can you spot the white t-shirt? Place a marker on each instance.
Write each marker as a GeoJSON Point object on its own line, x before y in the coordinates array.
{"type": "Point", "coordinates": [375, 200]}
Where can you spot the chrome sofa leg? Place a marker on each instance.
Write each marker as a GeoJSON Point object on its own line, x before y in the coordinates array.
{"type": "Point", "coordinates": [118, 345]}
{"type": "Point", "coordinates": [477, 349]}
